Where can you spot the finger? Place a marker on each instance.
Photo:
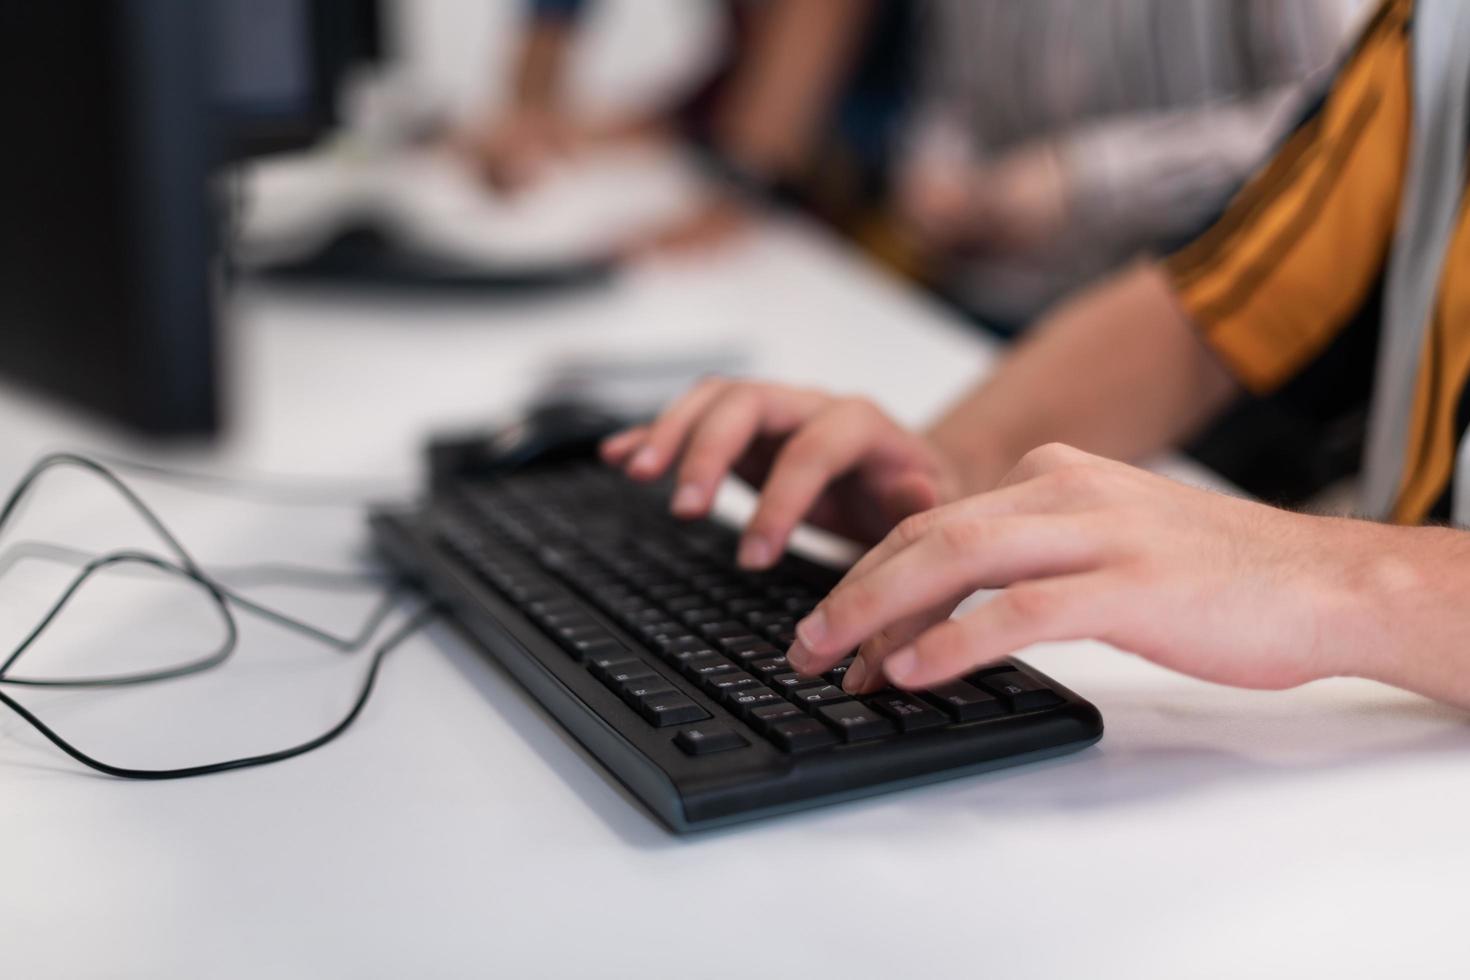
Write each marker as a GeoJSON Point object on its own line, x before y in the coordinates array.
{"type": "Point", "coordinates": [866, 673]}
{"type": "Point", "coordinates": [720, 437]}
{"type": "Point", "coordinates": [832, 442]}
{"type": "Point", "coordinates": [667, 433]}
{"type": "Point", "coordinates": [961, 556]}
{"type": "Point", "coordinates": [1036, 497]}
{"type": "Point", "coordinates": [1072, 607]}
{"type": "Point", "coordinates": [910, 495]}
{"type": "Point", "coordinates": [616, 448]}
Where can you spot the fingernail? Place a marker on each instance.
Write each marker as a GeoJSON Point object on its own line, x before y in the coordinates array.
{"type": "Point", "coordinates": [852, 681]}
{"type": "Point", "coordinates": [755, 553]}
{"type": "Point", "coordinates": [645, 461]}
{"type": "Point", "coordinates": [901, 665]}
{"type": "Point", "coordinates": [813, 629]}
{"type": "Point", "coordinates": [687, 500]}
{"type": "Point", "coordinates": [799, 656]}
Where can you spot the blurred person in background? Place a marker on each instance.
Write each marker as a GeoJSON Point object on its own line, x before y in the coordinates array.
{"type": "Point", "coordinates": [1053, 140]}
{"type": "Point", "coordinates": [801, 80]}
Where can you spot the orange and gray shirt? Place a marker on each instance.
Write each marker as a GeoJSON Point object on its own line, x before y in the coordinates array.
{"type": "Point", "coordinates": [1342, 269]}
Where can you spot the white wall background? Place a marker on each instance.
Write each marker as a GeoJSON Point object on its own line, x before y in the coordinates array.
{"type": "Point", "coordinates": [456, 54]}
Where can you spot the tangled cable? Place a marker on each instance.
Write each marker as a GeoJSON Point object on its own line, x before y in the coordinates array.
{"type": "Point", "coordinates": [225, 600]}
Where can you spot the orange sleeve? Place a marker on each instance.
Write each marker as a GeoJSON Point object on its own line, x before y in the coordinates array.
{"type": "Point", "coordinates": [1299, 249]}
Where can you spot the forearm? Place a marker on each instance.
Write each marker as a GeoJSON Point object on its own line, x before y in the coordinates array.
{"type": "Point", "coordinates": [786, 86]}
{"type": "Point", "coordinates": [1118, 371]}
{"type": "Point", "coordinates": [541, 61]}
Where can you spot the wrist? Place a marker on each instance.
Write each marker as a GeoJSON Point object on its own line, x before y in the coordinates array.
{"type": "Point", "coordinates": [972, 465]}
{"type": "Point", "coordinates": [1406, 614]}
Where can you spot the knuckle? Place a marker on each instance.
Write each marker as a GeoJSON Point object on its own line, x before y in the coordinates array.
{"type": "Point", "coordinates": [1028, 604]}
{"type": "Point", "coordinates": [1050, 456]}
{"type": "Point", "coordinates": [913, 527]}
{"type": "Point", "coordinates": [959, 539]}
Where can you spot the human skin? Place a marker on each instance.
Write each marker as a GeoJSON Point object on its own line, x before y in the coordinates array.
{"type": "Point", "coordinates": [1018, 488]}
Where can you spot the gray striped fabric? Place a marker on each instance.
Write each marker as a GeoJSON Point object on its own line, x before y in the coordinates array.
{"type": "Point", "coordinates": [1433, 185]}
{"type": "Point", "coordinates": [1159, 108]}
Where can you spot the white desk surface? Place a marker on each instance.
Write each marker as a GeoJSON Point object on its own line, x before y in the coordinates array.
{"type": "Point", "coordinates": [456, 832]}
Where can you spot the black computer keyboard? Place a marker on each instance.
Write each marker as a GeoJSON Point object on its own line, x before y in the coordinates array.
{"type": "Point", "coordinates": [667, 662]}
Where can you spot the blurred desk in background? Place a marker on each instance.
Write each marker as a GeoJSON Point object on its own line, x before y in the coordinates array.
{"type": "Point", "coordinates": [456, 831]}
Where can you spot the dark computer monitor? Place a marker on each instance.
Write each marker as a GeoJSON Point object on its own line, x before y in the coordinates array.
{"type": "Point", "coordinates": [116, 116]}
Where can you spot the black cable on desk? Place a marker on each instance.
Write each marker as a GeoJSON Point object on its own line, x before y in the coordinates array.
{"type": "Point", "coordinates": [223, 599]}
{"type": "Point", "coordinates": [411, 626]}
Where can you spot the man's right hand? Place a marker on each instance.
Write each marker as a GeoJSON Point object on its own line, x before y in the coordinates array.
{"type": "Point", "coordinates": [840, 463]}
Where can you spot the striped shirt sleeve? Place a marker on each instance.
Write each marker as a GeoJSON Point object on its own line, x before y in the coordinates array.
{"type": "Point", "coordinates": [1297, 252]}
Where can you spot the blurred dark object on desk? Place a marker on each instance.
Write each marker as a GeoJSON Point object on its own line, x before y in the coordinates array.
{"type": "Point", "coordinates": [368, 253]}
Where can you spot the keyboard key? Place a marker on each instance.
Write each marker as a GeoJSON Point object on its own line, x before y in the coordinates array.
{"type": "Point", "coordinates": [909, 712]}
{"type": "Point", "coordinates": [635, 691]}
{"type": "Point", "coordinates": [603, 666]}
{"type": "Point", "coordinates": [703, 616]}
{"type": "Point", "coordinates": [707, 739]}
{"type": "Point", "coordinates": [801, 735]}
{"type": "Point", "coordinates": [723, 629]}
{"type": "Point", "coordinates": [554, 607]}
{"type": "Point", "coordinates": [855, 721]}
{"type": "Point", "coordinates": [647, 614]}
{"type": "Point", "coordinates": [687, 644]}
{"type": "Point", "coordinates": [815, 696]}
{"type": "Point", "coordinates": [729, 680]}
{"type": "Point", "coordinates": [748, 647]}
{"type": "Point", "coordinates": [765, 716]}
{"type": "Point", "coordinates": [767, 669]}
{"type": "Point", "coordinates": [789, 681]}
{"type": "Point", "coordinates": [838, 671]}
{"type": "Point", "coordinates": [1021, 692]}
{"type": "Point", "coordinates": [747, 699]}
{"type": "Point", "coordinates": [586, 649]}
{"type": "Point", "coordinates": [582, 631]}
{"type": "Point", "coordinates": [630, 672]}
{"type": "Point", "coordinates": [670, 708]}
{"type": "Point", "coordinates": [684, 657]}
{"type": "Point", "coordinates": [962, 702]}
{"type": "Point", "coordinates": [710, 663]}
